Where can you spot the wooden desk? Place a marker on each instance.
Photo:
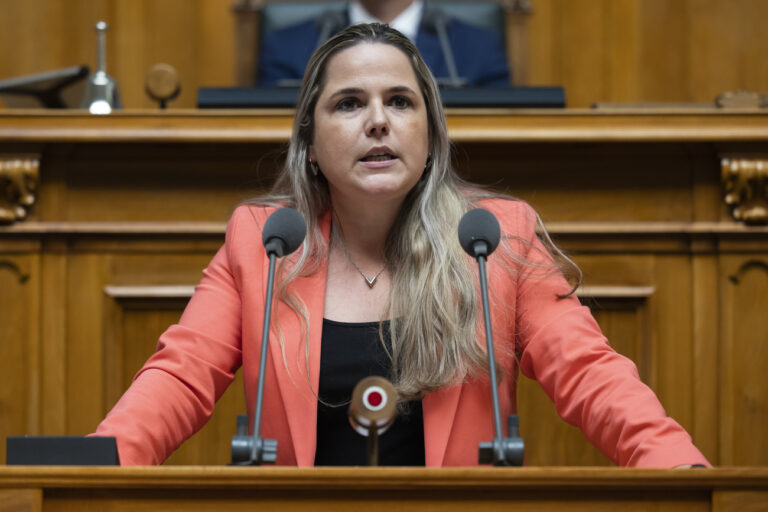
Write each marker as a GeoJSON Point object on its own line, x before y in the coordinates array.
{"type": "Point", "coordinates": [130, 207]}
{"type": "Point", "coordinates": [385, 489]}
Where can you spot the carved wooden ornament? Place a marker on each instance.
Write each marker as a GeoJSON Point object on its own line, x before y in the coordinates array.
{"type": "Point", "coordinates": [745, 181]}
{"type": "Point", "coordinates": [19, 177]}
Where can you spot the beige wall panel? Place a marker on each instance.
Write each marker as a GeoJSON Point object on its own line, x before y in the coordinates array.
{"type": "Point", "coordinates": [706, 338]}
{"type": "Point", "coordinates": [661, 71]}
{"type": "Point", "coordinates": [724, 39]}
{"type": "Point", "coordinates": [53, 348]}
{"type": "Point", "coordinates": [622, 49]}
{"type": "Point", "coordinates": [591, 182]}
{"type": "Point", "coordinates": [673, 339]}
{"type": "Point", "coordinates": [124, 183]}
{"type": "Point", "coordinates": [84, 354]}
{"type": "Point", "coordinates": [648, 50]}
{"type": "Point", "coordinates": [744, 358]}
{"type": "Point", "coordinates": [19, 346]}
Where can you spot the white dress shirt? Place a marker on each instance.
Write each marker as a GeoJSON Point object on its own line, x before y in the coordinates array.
{"type": "Point", "coordinates": [406, 22]}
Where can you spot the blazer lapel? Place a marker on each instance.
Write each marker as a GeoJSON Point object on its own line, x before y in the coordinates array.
{"type": "Point", "coordinates": [299, 400]}
{"type": "Point", "coordinates": [439, 414]}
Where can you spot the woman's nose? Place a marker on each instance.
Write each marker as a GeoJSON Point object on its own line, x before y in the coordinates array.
{"type": "Point", "coordinates": [377, 123]}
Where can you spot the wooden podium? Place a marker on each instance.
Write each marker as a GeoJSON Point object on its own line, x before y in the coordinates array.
{"type": "Point", "coordinates": [371, 489]}
{"type": "Point", "coordinates": [107, 222]}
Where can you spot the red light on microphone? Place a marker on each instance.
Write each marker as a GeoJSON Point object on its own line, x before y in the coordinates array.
{"type": "Point", "coordinates": [374, 398]}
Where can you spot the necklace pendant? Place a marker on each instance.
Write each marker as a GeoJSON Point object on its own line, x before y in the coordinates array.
{"type": "Point", "coordinates": [372, 281]}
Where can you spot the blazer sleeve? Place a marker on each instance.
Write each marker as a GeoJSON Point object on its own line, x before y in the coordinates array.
{"type": "Point", "coordinates": [173, 394]}
{"type": "Point", "coordinates": [592, 386]}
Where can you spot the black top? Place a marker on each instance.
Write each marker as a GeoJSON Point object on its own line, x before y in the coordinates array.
{"type": "Point", "coordinates": [350, 352]}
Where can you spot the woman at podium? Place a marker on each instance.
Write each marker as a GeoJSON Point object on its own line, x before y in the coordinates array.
{"type": "Point", "coordinates": [381, 285]}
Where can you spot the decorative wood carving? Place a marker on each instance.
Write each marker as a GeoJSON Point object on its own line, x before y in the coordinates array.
{"type": "Point", "coordinates": [745, 180]}
{"type": "Point", "coordinates": [19, 176]}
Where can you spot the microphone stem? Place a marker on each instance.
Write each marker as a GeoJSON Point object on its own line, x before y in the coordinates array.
{"type": "Point", "coordinates": [372, 445]}
{"type": "Point", "coordinates": [489, 341]}
{"type": "Point", "coordinates": [264, 346]}
{"type": "Point", "coordinates": [445, 46]}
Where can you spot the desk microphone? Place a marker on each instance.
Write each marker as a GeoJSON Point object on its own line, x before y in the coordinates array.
{"type": "Point", "coordinates": [437, 21]}
{"type": "Point", "coordinates": [372, 411]}
{"type": "Point", "coordinates": [328, 23]}
{"type": "Point", "coordinates": [479, 235]}
{"type": "Point", "coordinates": [283, 233]}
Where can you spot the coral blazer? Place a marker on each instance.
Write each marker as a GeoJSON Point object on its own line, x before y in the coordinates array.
{"type": "Point", "coordinates": [553, 340]}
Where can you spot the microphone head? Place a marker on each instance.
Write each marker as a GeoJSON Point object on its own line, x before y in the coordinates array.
{"type": "Point", "coordinates": [283, 231]}
{"type": "Point", "coordinates": [479, 232]}
{"type": "Point", "coordinates": [373, 405]}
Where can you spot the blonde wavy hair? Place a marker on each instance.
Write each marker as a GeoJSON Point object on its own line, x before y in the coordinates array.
{"type": "Point", "coordinates": [434, 344]}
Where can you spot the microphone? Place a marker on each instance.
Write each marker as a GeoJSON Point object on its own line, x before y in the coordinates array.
{"type": "Point", "coordinates": [372, 411]}
{"type": "Point", "coordinates": [479, 235]}
{"type": "Point", "coordinates": [329, 22]}
{"type": "Point", "coordinates": [436, 20]}
{"type": "Point", "coordinates": [282, 234]}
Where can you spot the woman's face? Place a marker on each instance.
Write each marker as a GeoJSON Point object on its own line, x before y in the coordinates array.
{"type": "Point", "coordinates": [370, 125]}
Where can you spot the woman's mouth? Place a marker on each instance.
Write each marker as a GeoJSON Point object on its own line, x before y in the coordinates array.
{"type": "Point", "coordinates": [381, 157]}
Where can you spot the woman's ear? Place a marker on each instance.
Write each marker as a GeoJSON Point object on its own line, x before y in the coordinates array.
{"type": "Point", "coordinates": [311, 153]}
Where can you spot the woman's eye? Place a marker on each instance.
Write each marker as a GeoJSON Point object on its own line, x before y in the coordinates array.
{"type": "Point", "coordinates": [400, 102]}
{"type": "Point", "coordinates": [347, 104]}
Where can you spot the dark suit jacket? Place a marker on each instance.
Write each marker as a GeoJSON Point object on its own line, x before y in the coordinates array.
{"type": "Point", "coordinates": [480, 55]}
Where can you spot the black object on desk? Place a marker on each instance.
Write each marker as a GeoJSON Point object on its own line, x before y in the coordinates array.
{"type": "Point", "coordinates": [62, 88]}
{"type": "Point", "coordinates": [61, 451]}
{"type": "Point", "coordinates": [464, 97]}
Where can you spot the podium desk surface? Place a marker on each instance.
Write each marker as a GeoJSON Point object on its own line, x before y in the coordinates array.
{"type": "Point", "coordinates": [464, 125]}
{"type": "Point", "coordinates": [338, 489]}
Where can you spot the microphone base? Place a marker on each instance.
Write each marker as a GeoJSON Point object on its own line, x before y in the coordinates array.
{"type": "Point", "coordinates": [253, 451]}
{"type": "Point", "coordinates": [504, 451]}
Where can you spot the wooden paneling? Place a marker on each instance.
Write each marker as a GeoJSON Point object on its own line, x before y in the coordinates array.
{"type": "Point", "coordinates": [21, 500]}
{"type": "Point", "coordinates": [132, 204]}
{"type": "Point", "coordinates": [20, 344]}
{"type": "Point", "coordinates": [744, 358]}
{"type": "Point", "coordinates": [599, 50]}
{"type": "Point", "coordinates": [648, 50]}
{"type": "Point", "coordinates": [383, 489]}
